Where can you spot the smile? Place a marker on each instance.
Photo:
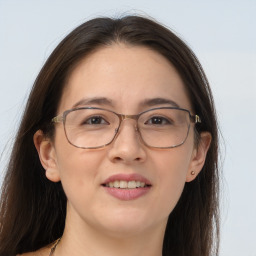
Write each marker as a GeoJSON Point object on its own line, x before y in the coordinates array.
{"type": "Point", "coordinates": [123, 184]}
{"type": "Point", "coordinates": [127, 186]}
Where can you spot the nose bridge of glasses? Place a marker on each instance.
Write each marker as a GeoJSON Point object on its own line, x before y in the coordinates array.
{"type": "Point", "coordinates": [127, 117]}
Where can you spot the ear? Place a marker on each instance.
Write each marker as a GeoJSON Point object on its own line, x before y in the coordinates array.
{"type": "Point", "coordinates": [47, 156]}
{"type": "Point", "coordinates": [199, 156]}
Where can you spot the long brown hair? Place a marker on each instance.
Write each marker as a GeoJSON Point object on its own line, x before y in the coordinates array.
{"type": "Point", "coordinates": [33, 209]}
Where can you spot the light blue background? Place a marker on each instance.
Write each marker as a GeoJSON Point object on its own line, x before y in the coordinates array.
{"type": "Point", "coordinates": [223, 36]}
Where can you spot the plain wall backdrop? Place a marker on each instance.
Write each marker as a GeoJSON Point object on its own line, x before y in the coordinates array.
{"type": "Point", "coordinates": [222, 33]}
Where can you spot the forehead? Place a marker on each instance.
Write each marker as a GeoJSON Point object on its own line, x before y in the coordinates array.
{"type": "Point", "coordinates": [126, 75]}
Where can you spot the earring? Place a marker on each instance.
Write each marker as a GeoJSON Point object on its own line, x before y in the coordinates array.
{"type": "Point", "coordinates": [193, 173]}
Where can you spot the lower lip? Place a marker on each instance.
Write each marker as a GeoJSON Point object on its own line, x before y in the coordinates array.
{"type": "Point", "coordinates": [127, 194]}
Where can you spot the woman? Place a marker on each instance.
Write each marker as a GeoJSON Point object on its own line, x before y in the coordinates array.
{"type": "Point", "coordinates": [117, 149]}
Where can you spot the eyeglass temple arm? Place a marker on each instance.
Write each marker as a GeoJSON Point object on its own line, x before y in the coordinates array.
{"type": "Point", "coordinates": [196, 119]}
{"type": "Point", "coordinates": [57, 119]}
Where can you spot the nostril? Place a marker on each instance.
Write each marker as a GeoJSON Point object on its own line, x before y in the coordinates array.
{"type": "Point", "coordinates": [125, 159]}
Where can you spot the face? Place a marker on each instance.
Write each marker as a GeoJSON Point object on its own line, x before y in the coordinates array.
{"type": "Point", "coordinates": [125, 77]}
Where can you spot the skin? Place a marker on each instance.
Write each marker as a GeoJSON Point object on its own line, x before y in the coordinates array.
{"type": "Point", "coordinates": [97, 223]}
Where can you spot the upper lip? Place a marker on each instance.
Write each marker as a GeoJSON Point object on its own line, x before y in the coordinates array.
{"type": "Point", "coordinates": [127, 177]}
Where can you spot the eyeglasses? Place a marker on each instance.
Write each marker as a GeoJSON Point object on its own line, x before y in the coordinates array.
{"type": "Point", "coordinates": [92, 128]}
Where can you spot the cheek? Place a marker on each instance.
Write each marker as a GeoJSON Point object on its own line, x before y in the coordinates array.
{"type": "Point", "coordinates": [74, 162]}
{"type": "Point", "coordinates": [75, 172]}
{"type": "Point", "coordinates": [172, 169]}
{"type": "Point", "coordinates": [78, 168]}
{"type": "Point", "coordinates": [79, 177]}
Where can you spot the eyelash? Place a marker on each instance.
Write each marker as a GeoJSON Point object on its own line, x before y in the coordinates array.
{"type": "Point", "coordinates": [89, 120]}
{"type": "Point", "coordinates": [167, 121]}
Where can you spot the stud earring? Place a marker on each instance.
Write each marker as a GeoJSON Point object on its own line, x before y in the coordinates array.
{"type": "Point", "coordinates": [193, 173]}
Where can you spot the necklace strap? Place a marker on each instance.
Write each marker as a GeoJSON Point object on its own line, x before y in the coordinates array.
{"type": "Point", "coordinates": [54, 246]}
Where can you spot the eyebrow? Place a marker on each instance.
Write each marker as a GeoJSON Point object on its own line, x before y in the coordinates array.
{"type": "Point", "coordinates": [107, 102]}
{"type": "Point", "coordinates": [159, 101]}
{"type": "Point", "coordinates": [95, 100]}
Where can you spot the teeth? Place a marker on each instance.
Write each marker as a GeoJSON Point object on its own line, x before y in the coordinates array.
{"type": "Point", "coordinates": [131, 184]}
{"type": "Point", "coordinates": [124, 184]}
{"type": "Point", "coordinates": [116, 184]}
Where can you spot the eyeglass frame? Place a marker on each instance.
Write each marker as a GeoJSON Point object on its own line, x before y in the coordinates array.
{"type": "Point", "coordinates": [62, 119]}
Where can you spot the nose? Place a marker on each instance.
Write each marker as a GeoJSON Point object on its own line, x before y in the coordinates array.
{"type": "Point", "coordinates": [127, 146]}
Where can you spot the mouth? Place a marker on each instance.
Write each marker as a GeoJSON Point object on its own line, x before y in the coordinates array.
{"type": "Point", "coordinates": [127, 186]}
{"type": "Point", "coordinates": [123, 184]}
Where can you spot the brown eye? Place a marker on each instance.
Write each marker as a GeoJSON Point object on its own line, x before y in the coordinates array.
{"type": "Point", "coordinates": [95, 120]}
{"type": "Point", "coordinates": [158, 120]}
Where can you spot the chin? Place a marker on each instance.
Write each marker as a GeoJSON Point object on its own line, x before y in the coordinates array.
{"type": "Point", "coordinates": [127, 223]}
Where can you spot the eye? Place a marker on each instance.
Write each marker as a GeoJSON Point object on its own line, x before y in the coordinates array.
{"type": "Point", "coordinates": [158, 120]}
{"type": "Point", "coordinates": [95, 120]}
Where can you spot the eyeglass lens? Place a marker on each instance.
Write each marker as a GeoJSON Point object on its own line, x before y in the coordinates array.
{"type": "Point", "coordinates": [92, 128]}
